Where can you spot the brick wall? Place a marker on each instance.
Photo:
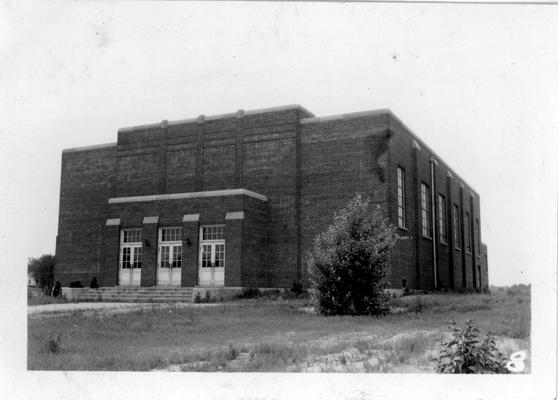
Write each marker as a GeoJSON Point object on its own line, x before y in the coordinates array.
{"type": "Point", "coordinates": [456, 267]}
{"type": "Point", "coordinates": [255, 244]}
{"type": "Point", "coordinates": [340, 158]}
{"type": "Point", "coordinates": [86, 184]}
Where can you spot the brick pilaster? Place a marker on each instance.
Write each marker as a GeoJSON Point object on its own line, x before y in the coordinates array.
{"type": "Point", "coordinates": [473, 235]}
{"type": "Point", "coordinates": [463, 242]}
{"type": "Point", "coordinates": [199, 152]}
{"type": "Point", "coordinates": [416, 207]}
{"type": "Point", "coordinates": [297, 200]}
{"type": "Point", "coordinates": [239, 153]}
{"type": "Point", "coordinates": [108, 274]}
{"type": "Point", "coordinates": [149, 251]}
{"type": "Point", "coordinates": [162, 182]}
{"type": "Point", "coordinates": [449, 223]}
{"type": "Point", "coordinates": [190, 250]}
{"type": "Point", "coordinates": [233, 251]}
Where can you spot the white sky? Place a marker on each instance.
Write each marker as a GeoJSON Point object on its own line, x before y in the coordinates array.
{"type": "Point", "coordinates": [478, 83]}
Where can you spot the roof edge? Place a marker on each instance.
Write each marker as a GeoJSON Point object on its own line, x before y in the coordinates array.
{"type": "Point", "coordinates": [187, 195]}
{"type": "Point", "coordinates": [85, 148]}
{"type": "Point", "coordinates": [219, 116]}
{"type": "Point", "coordinates": [346, 116]}
{"type": "Point", "coordinates": [429, 149]}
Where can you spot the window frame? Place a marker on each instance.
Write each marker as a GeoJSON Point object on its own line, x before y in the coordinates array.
{"type": "Point", "coordinates": [213, 239]}
{"type": "Point", "coordinates": [426, 207]}
{"type": "Point", "coordinates": [177, 230]}
{"type": "Point", "coordinates": [132, 248]}
{"type": "Point", "coordinates": [467, 227]}
{"type": "Point", "coordinates": [401, 198]}
{"type": "Point", "coordinates": [126, 231]}
{"type": "Point", "coordinates": [477, 237]}
{"type": "Point", "coordinates": [169, 247]}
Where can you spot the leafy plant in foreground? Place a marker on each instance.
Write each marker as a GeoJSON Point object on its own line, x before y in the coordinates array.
{"type": "Point", "coordinates": [466, 352]}
{"type": "Point", "coordinates": [54, 343]}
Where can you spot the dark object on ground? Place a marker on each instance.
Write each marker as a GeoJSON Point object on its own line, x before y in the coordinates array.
{"type": "Point", "coordinates": [57, 289]}
{"type": "Point", "coordinates": [249, 293]}
{"type": "Point", "coordinates": [297, 288]}
{"type": "Point", "coordinates": [94, 284]}
{"type": "Point", "coordinates": [205, 299]}
{"type": "Point", "coordinates": [197, 298]}
{"type": "Point", "coordinates": [76, 284]}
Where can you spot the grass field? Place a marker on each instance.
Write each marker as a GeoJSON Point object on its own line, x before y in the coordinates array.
{"type": "Point", "coordinates": [280, 336]}
{"type": "Point", "coordinates": [41, 300]}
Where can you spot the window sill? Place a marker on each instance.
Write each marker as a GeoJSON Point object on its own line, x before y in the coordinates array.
{"type": "Point", "coordinates": [457, 248]}
{"type": "Point", "coordinates": [403, 228]}
{"type": "Point", "coordinates": [427, 237]}
{"type": "Point", "coordinates": [444, 243]}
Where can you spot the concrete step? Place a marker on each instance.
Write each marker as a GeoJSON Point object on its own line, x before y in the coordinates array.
{"type": "Point", "coordinates": [136, 300]}
{"type": "Point", "coordinates": [178, 292]}
{"type": "Point", "coordinates": [93, 296]}
{"type": "Point", "coordinates": [178, 289]}
{"type": "Point", "coordinates": [139, 294]}
{"type": "Point", "coordinates": [136, 293]}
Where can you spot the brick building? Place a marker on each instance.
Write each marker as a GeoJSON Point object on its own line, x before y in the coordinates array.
{"type": "Point", "coordinates": [235, 200]}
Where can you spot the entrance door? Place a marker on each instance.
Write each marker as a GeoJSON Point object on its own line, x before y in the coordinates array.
{"type": "Point", "coordinates": [212, 256]}
{"type": "Point", "coordinates": [130, 257]}
{"type": "Point", "coordinates": [169, 265]}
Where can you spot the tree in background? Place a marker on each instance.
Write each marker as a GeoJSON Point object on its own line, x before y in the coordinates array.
{"type": "Point", "coordinates": [42, 270]}
{"type": "Point", "coordinates": [349, 261]}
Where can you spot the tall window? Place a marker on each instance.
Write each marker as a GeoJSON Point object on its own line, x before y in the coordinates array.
{"type": "Point", "coordinates": [170, 247]}
{"type": "Point", "coordinates": [130, 249]}
{"type": "Point", "coordinates": [467, 232]}
{"type": "Point", "coordinates": [401, 203]}
{"type": "Point", "coordinates": [442, 219]}
{"type": "Point", "coordinates": [426, 204]}
{"type": "Point", "coordinates": [456, 227]}
{"type": "Point", "coordinates": [477, 236]}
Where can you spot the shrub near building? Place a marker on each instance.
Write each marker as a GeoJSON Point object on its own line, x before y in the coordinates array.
{"type": "Point", "coordinates": [349, 261]}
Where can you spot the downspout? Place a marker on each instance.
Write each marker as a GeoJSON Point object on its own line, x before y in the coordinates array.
{"type": "Point", "coordinates": [433, 163]}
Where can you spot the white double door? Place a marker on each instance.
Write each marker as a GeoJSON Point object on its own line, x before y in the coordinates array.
{"type": "Point", "coordinates": [130, 265]}
{"type": "Point", "coordinates": [212, 263]}
{"type": "Point", "coordinates": [169, 265]}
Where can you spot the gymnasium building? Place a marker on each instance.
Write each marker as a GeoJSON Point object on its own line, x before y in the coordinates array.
{"type": "Point", "coordinates": [235, 201]}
